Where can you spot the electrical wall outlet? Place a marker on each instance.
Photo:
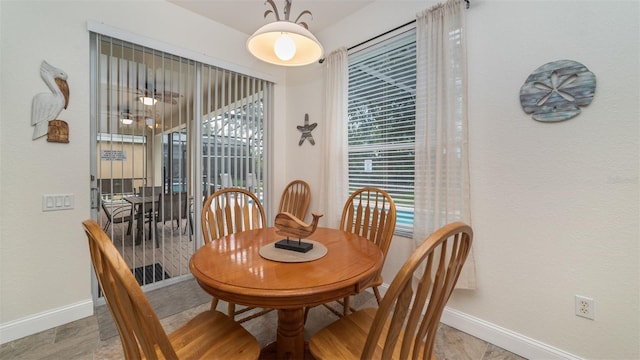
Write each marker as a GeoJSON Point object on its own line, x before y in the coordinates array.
{"type": "Point", "coordinates": [585, 307]}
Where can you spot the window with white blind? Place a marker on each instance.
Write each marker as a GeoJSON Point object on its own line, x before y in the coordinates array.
{"type": "Point", "coordinates": [381, 121]}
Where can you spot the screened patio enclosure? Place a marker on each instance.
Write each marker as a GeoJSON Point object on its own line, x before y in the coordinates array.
{"type": "Point", "coordinates": [167, 132]}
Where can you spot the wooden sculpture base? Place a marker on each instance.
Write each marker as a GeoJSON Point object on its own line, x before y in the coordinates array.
{"type": "Point", "coordinates": [58, 131]}
{"type": "Point", "coordinates": [293, 245]}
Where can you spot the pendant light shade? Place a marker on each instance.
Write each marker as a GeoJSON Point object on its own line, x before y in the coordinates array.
{"type": "Point", "coordinates": [285, 43]}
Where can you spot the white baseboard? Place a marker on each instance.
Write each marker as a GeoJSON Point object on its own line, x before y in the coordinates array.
{"type": "Point", "coordinates": [33, 324]}
{"type": "Point", "coordinates": [504, 338]}
{"type": "Point", "coordinates": [507, 339]}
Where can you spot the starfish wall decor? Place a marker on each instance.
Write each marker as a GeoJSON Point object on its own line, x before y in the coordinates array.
{"type": "Point", "coordinates": [306, 131]}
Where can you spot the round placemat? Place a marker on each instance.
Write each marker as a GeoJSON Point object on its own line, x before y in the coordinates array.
{"type": "Point", "coordinates": [271, 252]}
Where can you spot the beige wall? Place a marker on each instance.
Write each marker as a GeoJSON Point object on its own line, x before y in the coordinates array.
{"type": "Point", "coordinates": [123, 167]}
{"type": "Point", "coordinates": [555, 207]}
{"type": "Point", "coordinates": [45, 271]}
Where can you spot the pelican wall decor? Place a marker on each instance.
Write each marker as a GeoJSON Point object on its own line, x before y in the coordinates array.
{"type": "Point", "coordinates": [47, 106]}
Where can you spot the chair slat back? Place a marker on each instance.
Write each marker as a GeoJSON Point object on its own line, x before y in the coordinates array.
{"type": "Point", "coordinates": [138, 325]}
{"type": "Point", "coordinates": [149, 190]}
{"type": "Point", "coordinates": [408, 317]}
{"type": "Point", "coordinates": [174, 206]}
{"type": "Point", "coordinates": [231, 210]}
{"type": "Point", "coordinates": [370, 212]}
{"type": "Point", "coordinates": [295, 199]}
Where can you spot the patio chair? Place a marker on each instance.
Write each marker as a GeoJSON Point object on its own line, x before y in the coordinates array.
{"type": "Point", "coordinates": [148, 212]}
{"type": "Point", "coordinates": [252, 182]}
{"type": "Point", "coordinates": [116, 214]}
{"type": "Point", "coordinates": [172, 207]}
{"type": "Point", "coordinates": [225, 181]}
{"type": "Point", "coordinates": [149, 190]}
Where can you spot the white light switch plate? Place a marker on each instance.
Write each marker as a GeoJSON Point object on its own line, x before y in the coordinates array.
{"type": "Point", "coordinates": [55, 202]}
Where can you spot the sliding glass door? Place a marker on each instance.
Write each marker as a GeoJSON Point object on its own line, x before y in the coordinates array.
{"type": "Point", "coordinates": [233, 136]}
{"type": "Point", "coordinates": [167, 132]}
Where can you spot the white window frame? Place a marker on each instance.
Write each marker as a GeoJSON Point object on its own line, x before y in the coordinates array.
{"type": "Point", "coordinates": [398, 182]}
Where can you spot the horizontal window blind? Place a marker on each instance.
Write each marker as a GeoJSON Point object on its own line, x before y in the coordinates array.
{"type": "Point", "coordinates": [381, 121]}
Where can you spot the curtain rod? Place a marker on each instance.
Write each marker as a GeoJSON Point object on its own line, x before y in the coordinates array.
{"type": "Point", "coordinates": [386, 32]}
{"type": "Point", "coordinates": [375, 37]}
{"type": "Point", "coordinates": [381, 35]}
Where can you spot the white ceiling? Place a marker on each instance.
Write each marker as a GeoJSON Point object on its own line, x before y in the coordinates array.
{"type": "Point", "coordinates": [247, 15]}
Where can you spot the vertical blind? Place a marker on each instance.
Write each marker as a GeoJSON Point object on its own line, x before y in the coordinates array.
{"type": "Point", "coordinates": [381, 121]}
{"type": "Point", "coordinates": [197, 114]}
{"type": "Point", "coordinates": [142, 152]}
{"type": "Point", "coordinates": [233, 131]}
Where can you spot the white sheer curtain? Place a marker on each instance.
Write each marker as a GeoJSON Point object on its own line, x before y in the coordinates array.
{"type": "Point", "coordinates": [442, 166]}
{"type": "Point", "coordinates": [334, 129]}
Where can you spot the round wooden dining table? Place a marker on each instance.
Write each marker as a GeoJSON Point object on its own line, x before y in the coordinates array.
{"type": "Point", "coordinates": [232, 269]}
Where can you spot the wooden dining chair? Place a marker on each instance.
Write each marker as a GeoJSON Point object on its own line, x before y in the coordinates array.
{"type": "Point", "coordinates": [295, 199]}
{"type": "Point", "coordinates": [231, 210]}
{"type": "Point", "coordinates": [371, 213]}
{"type": "Point", "coordinates": [405, 324]}
{"type": "Point", "coordinates": [210, 334]}
{"type": "Point", "coordinates": [228, 211]}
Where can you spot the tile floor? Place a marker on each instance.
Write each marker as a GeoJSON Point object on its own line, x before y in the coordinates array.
{"type": "Point", "coordinates": [81, 339]}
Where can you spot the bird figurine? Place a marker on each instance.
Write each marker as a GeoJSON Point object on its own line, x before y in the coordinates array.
{"type": "Point", "coordinates": [47, 106]}
{"type": "Point", "coordinates": [290, 226]}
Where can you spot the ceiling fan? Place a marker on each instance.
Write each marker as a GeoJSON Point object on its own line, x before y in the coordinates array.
{"type": "Point", "coordinates": [150, 96]}
{"type": "Point", "coordinates": [139, 119]}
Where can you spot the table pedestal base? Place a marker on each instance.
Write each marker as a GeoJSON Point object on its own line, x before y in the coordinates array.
{"type": "Point", "coordinates": [270, 352]}
{"type": "Point", "coordinates": [290, 337]}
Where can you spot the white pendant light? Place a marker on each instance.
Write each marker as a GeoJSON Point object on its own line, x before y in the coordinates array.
{"type": "Point", "coordinates": [283, 42]}
{"type": "Point", "coordinates": [284, 47]}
